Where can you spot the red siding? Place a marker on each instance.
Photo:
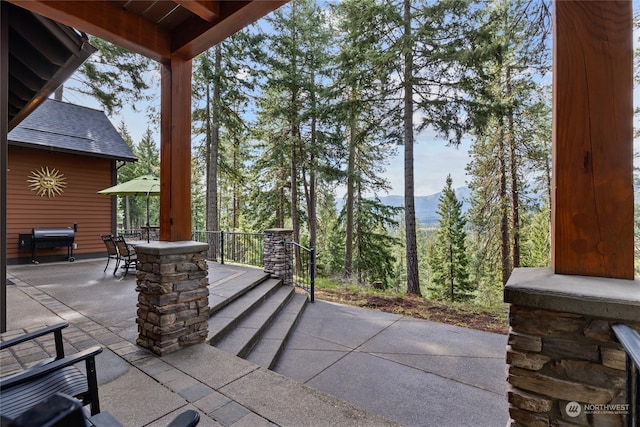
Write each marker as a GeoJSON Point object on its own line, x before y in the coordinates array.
{"type": "Point", "coordinates": [79, 202]}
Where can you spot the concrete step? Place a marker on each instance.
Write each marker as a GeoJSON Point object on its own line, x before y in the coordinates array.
{"type": "Point", "coordinates": [239, 340]}
{"type": "Point", "coordinates": [266, 351]}
{"type": "Point", "coordinates": [231, 286]}
{"type": "Point", "coordinates": [226, 316]}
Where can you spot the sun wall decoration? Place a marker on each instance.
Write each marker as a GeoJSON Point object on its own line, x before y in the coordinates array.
{"type": "Point", "coordinates": [47, 182]}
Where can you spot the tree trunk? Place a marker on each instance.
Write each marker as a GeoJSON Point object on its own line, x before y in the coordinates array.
{"type": "Point", "coordinates": [280, 219]}
{"type": "Point", "coordinates": [348, 242]}
{"type": "Point", "coordinates": [504, 208]}
{"type": "Point", "coordinates": [212, 130]}
{"type": "Point", "coordinates": [413, 281]}
{"type": "Point", "coordinates": [358, 230]}
{"type": "Point", "coordinates": [216, 138]}
{"type": "Point", "coordinates": [515, 188]}
{"type": "Point", "coordinates": [127, 214]}
{"type": "Point", "coordinates": [295, 140]}
{"type": "Point", "coordinates": [312, 207]}
{"type": "Point", "coordinates": [310, 181]}
{"type": "Point", "coordinates": [235, 197]}
{"type": "Point", "coordinates": [451, 268]}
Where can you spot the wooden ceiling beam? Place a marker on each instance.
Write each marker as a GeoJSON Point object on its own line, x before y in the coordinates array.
{"type": "Point", "coordinates": [104, 19]}
{"type": "Point", "coordinates": [208, 10]}
{"type": "Point", "coordinates": [192, 38]}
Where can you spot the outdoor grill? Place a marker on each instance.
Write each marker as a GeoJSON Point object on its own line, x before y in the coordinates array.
{"type": "Point", "coordinates": [52, 238]}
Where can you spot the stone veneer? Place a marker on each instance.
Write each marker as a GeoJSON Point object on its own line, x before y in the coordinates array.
{"type": "Point", "coordinates": [173, 297]}
{"type": "Point", "coordinates": [562, 349]}
{"type": "Point", "coordinates": [278, 262]}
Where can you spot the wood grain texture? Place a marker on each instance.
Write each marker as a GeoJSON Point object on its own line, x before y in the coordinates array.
{"type": "Point", "coordinates": [592, 204]}
{"type": "Point", "coordinates": [175, 151]}
{"type": "Point", "coordinates": [105, 19]}
{"type": "Point", "coordinates": [151, 34]}
{"type": "Point", "coordinates": [205, 9]}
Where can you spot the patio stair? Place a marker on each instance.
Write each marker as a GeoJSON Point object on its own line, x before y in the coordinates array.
{"type": "Point", "coordinates": [251, 316]}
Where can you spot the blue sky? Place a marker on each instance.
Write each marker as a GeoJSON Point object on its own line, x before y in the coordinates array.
{"type": "Point", "coordinates": [433, 161]}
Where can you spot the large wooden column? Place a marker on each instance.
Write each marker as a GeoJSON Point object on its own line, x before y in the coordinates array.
{"type": "Point", "coordinates": [175, 150]}
{"type": "Point", "coordinates": [4, 152]}
{"type": "Point", "coordinates": [592, 203]}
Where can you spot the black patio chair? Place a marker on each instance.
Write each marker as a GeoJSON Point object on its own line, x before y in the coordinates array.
{"type": "Point", "coordinates": [61, 410]}
{"type": "Point", "coordinates": [112, 251]}
{"type": "Point", "coordinates": [22, 390]}
{"type": "Point", "coordinates": [127, 254]}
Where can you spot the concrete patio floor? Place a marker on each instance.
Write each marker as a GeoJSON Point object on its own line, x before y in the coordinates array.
{"type": "Point", "coordinates": [342, 366]}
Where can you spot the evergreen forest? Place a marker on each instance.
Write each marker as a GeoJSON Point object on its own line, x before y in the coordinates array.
{"type": "Point", "coordinates": [296, 117]}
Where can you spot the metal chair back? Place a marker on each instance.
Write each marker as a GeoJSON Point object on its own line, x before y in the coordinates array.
{"type": "Point", "coordinates": [127, 253]}
{"type": "Point", "coordinates": [112, 251]}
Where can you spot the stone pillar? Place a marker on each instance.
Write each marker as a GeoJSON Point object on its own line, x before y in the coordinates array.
{"type": "Point", "coordinates": [173, 297]}
{"type": "Point", "coordinates": [278, 259]}
{"type": "Point", "coordinates": [565, 364]}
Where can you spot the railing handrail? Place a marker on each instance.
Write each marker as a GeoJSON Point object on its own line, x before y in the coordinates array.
{"type": "Point", "coordinates": [301, 247]}
{"type": "Point", "coordinates": [246, 252]}
{"type": "Point", "coordinates": [299, 276]}
{"type": "Point", "coordinates": [235, 246]}
{"type": "Point", "coordinates": [630, 340]}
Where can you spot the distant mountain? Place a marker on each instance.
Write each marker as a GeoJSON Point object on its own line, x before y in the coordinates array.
{"type": "Point", "coordinates": [426, 206]}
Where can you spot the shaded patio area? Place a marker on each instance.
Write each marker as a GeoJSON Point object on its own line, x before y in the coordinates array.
{"type": "Point", "coordinates": [342, 365]}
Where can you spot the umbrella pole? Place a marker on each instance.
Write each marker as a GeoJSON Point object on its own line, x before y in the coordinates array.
{"type": "Point", "coordinates": [148, 227]}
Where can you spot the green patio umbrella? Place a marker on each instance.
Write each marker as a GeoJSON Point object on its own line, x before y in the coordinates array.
{"type": "Point", "coordinates": [146, 185]}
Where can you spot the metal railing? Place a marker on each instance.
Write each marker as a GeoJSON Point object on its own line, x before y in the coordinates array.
{"type": "Point", "coordinates": [630, 340]}
{"type": "Point", "coordinates": [248, 249]}
{"type": "Point", "coordinates": [135, 233]}
{"type": "Point", "coordinates": [303, 268]}
{"type": "Point", "coordinates": [234, 247]}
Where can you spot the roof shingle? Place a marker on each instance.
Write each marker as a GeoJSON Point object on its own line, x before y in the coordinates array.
{"type": "Point", "coordinates": [60, 126]}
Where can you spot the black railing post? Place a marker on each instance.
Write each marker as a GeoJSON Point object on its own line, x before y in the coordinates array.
{"type": "Point", "coordinates": [221, 247]}
{"type": "Point", "coordinates": [312, 266]}
{"type": "Point", "coordinates": [633, 397]}
{"type": "Point", "coordinates": [630, 340]}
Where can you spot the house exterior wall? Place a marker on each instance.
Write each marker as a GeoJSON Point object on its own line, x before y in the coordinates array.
{"type": "Point", "coordinates": [78, 203]}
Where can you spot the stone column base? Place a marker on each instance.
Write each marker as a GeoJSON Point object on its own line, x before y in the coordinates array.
{"type": "Point", "coordinates": [173, 297]}
{"type": "Point", "coordinates": [566, 367]}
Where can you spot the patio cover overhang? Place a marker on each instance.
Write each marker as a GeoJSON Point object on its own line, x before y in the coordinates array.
{"type": "Point", "coordinates": [171, 33]}
{"type": "Point", "coordinates": [592, 211]}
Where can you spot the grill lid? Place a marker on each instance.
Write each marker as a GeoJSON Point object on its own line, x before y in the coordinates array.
{"type": "Point", "coordinates": [53, 233]}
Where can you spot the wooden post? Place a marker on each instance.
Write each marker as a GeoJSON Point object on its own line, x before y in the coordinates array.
{"type": "Point", "coordinates": [175, 150]}
{"type": "Point", "coordinates": [4, 151]}
{"type": "Point", "coordinates": [592, 204]}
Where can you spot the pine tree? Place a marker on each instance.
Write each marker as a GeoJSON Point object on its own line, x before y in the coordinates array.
{"type": "Point", "coordinates": [374, 263]}
{"type": "Point", "coordinates": [449, 260]}
{"type": "Point", "coordinates": [148, 163]}
{"type": "Point", "coordinates": [125, 173]}
{"type": "Point", "coordinates": [114, 77]}
{"type": "Point", "coordinates": [223, 85]}
{"type": "Point", "coordinates": [369, 131]}
{"type": "Point", "coordinates": [536, 240]}
{"type": "Point", "coordinates": [148, 155]}
{"type": "Point", "coordinates": [292, 126]}
{"type": "Point", "coordinates": [430, 58]}
{"type": "Point", "coordinates": [508, 152]}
